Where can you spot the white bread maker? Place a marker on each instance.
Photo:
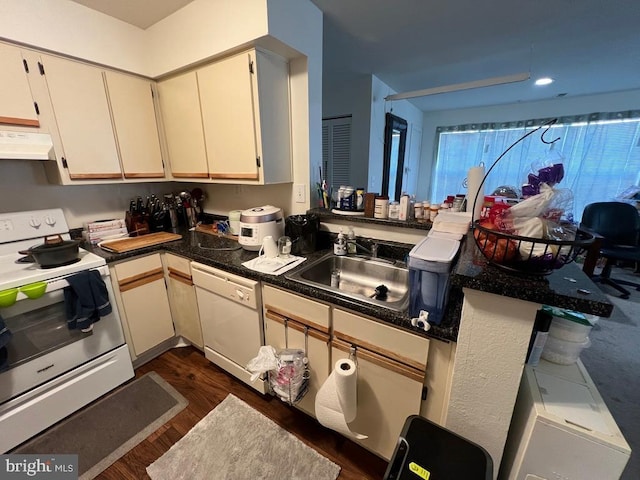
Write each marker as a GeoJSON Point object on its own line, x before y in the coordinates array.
{"type": "Point", "coordinates": [259, 222]}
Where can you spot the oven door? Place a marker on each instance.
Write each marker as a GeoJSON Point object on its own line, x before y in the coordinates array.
{"type": "Point", "coordinates": [43, 347]}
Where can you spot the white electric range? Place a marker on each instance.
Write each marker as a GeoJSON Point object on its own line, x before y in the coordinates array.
{"type": "Point", "coordinates": [47, 369]}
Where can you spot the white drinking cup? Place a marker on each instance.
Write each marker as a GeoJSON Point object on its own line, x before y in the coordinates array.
{"type": "Point", "coordinates": [269, 248]}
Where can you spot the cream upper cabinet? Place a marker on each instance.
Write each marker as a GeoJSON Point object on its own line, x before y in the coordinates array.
{"type": "Point", "coordinates": [134, 119]}
{"type": "Point", "coordinates": [16, 103]}
{"type": "Point", "coordinates": [180, 108]}
{"type": "Point", "coordinates": [81, 109]}
{"type": "Point", "coordinates": [245, 113]}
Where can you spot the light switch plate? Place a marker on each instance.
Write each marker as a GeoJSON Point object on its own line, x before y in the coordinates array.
{"type": "Point", "coordinates": [300, 190]}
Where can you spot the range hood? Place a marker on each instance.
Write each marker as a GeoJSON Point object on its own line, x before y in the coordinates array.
{"type": "Point", "coordinates": [25, 146]}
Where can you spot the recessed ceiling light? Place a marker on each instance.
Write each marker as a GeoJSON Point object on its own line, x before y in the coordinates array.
{"type": "Point", "coordinates": [544, 81]}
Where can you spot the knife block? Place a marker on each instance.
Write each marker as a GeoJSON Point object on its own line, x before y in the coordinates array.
{"type": "Point", "coordinates": [137, 224]}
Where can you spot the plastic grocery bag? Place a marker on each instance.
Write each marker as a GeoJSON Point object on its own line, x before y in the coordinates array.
{"type": "Point", "coordinates": [265, 361]}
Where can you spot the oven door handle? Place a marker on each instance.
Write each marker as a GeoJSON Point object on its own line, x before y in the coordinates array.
{"type": "Point", "coordinates": [59, 283]}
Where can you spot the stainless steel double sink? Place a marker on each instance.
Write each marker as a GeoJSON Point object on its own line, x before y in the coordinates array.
{"type": "Point", "coordinates": [359, 277]}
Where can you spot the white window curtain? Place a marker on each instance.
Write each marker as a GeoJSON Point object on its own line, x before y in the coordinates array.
{"type": "Point", "coordinates": [600, 153]}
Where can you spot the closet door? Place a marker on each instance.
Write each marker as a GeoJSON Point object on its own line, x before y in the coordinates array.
{"type": "Point", "coordinates": [336, 150]}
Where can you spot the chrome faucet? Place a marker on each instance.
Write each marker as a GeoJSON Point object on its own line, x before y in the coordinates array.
{"type": "Point", "coordinates": [373, 252]}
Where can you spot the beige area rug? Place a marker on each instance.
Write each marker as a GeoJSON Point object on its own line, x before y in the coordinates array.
{"type": "Point", "coordinates": [107, 429]}
{"type": "Point", "coordinates": [236, 442]}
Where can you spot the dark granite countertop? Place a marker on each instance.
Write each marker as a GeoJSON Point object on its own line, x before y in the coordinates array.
{"type": "Point", "coordinates": [325, 214]}
{"type": "Point", "coordinates": [197, 246]}
{"type": "Point", "coordinates": [559, 289]}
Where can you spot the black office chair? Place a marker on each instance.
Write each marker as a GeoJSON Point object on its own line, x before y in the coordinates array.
{"type": "Point", "coordinates": [619, 226]}
{"type": "Point", "coordinates": [427, 450]}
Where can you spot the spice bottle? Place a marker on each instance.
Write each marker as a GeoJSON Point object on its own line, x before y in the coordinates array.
{"type": "Point", "coordinates": [433, 212]}
{"type": "Point", "coordinates": [381, 207]}
{"type": "Point", "coordinates": [394, 210]}
{"type": "Point", "coordinates": [418, 212]}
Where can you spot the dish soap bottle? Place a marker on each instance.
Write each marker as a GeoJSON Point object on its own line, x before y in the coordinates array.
{"type": "Point", "coordinates": [351, 242]}
{"type": "Point", "coordinates": [340, 245]}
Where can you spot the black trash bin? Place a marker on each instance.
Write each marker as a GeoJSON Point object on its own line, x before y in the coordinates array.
{"type": "Point", "coordinates": [303, 231]}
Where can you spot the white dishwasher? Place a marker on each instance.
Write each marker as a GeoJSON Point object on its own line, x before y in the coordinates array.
{"type": "Point", "coordinates": [231, 316]}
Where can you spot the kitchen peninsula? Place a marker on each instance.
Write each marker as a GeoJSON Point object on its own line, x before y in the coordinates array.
{"type": "Point", "coordinates": [487, 325]}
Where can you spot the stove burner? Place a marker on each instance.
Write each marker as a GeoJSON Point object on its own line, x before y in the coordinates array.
{"type": "Point", "coordinates": [30, 259]}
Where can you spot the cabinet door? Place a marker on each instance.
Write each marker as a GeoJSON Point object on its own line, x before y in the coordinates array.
{"type": "Point", "coordinates": [180, 108]}
{"type": "Point", "coordinates": [316, 345]}
{"type": "Point", "coordinates": [228, 118]}
{"type": "Point", "coordinates": [81, 109]}
{"type": "Point", "coordinates": [388, 392]}
{"type": "Point", "coordinates": [16, 102]}
{"type": "Point", "coordinates": [182, 297]}
{"type": "Point", "coordinates": [150, 322]}
{"type": "Point", "coordinates": [136, 128]}
{"type": "Point", "coordinates": [144, 300]}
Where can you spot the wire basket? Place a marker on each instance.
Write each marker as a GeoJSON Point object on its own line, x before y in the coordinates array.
{"type": "Point", "coordinates": [535, 256]}
{"type": "Point", "coordinates": [514, 253]}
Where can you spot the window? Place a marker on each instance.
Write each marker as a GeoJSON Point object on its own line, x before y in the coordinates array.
{"type": "Point", "coordinates": [600, 153]}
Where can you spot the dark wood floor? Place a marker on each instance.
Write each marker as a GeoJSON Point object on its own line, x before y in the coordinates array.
{"type": "Point", "coordinates": [204, 385]}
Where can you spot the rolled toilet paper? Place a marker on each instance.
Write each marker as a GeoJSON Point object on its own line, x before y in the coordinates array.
{"type": "Point", "coordinates": [336, 401]}
{"type": "Point", "coordinates": [475, 190]}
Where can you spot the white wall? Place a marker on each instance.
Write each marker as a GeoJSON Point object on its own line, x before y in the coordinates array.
{"type": "Point", "coordinates": [72, 29]}
{"type": "Point", "coordinates": [414, 118]}
{"type": "Point", "coordinates": [201, 30]}
{"type": "Point", "coordinates": [609, 102]}
{"type": "Point", "coordinates": [24, 187]}
{"type": "Point", "coordinates": [299, 25]}
{"type": "Point", "coordinates": [350, 94]}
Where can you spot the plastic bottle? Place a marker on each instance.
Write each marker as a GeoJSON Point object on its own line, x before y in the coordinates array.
{"type": "Point", "coordinates": [340, 245]}
{"type": "Point", "coordinates": [351, 242]}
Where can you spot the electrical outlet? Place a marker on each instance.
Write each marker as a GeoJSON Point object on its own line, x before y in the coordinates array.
{"type": "Point", "coordinates": [300, 190]}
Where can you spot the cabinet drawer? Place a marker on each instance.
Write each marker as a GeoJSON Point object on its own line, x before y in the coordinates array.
{"type": "Point", "coordinates": [295, 307]}
{"type": "Point", "coordinates": [139, 267]}
{"type": "Point", "coordinates": [384, 339]}
{"type": "Point", "coordinates": [179, 265]}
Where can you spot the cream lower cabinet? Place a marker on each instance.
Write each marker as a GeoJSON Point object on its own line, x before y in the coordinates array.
{"type": "Point", "coordinates": [292, 321]}
{"type": "Point", "coordinates": [391, 372]}
{"type": "Point", "coordinates": [182, 299]}
{"type": "Point", "coordinates": [143, 303]}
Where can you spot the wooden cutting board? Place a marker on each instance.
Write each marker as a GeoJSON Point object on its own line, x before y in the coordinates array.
{"type": "Point", "coordinates": [133, 243]}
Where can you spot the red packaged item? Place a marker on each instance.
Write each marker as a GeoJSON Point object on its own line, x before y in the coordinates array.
{"type": "Point", "coordinates": [497, 216]}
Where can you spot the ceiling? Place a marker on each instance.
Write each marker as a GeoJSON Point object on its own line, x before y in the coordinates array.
{"type": "Point", "coordinates": [587, 46]}
{"type": "Point", "coordinates": [141, 13]}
